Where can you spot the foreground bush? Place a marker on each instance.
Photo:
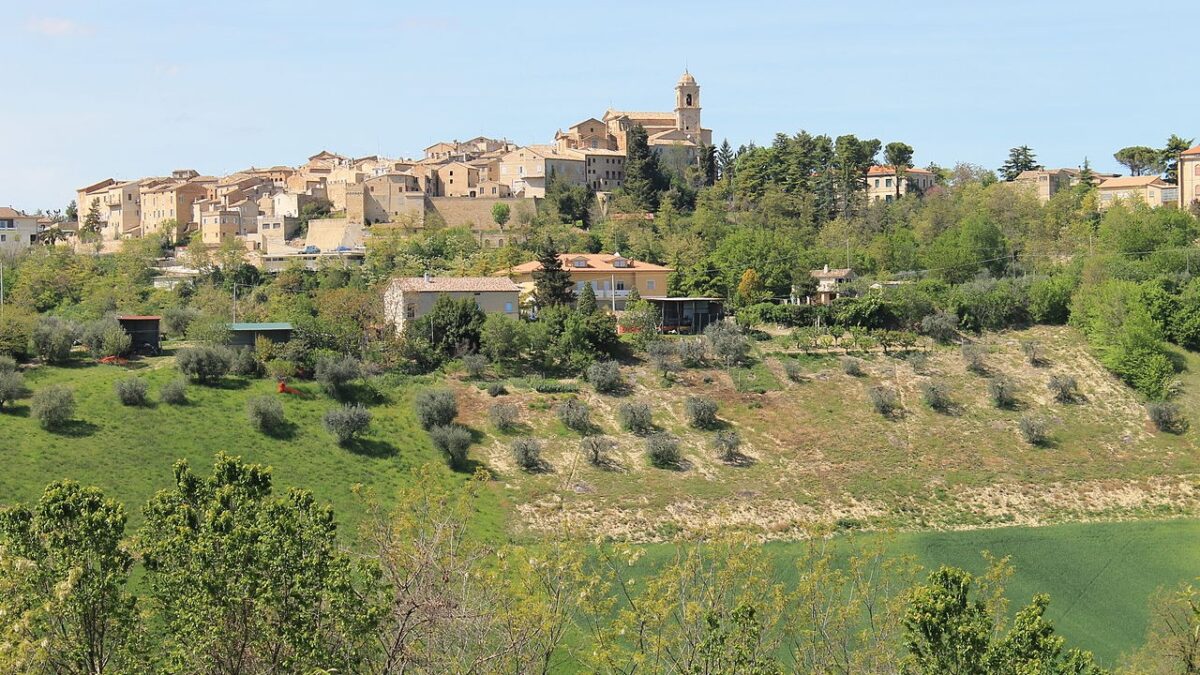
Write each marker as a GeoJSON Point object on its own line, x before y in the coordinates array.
{"type": "Point", "coordinates": [132, 391]}
{"type": "Point", "coordinates": [12, 387]}
{"type": "Point", "coordinates": [1034, 430]}
{"type": "Point", "coordinates": [347, 423]}
{"type": "Point", "coordinates": [496, 389]}
{"type": "Point", "coordinates": [605, 377]}
{"type": "Point", "coordinates": [793, 370]}
{"type": "Point", "coordinates": [1002, 391]}
{"type": "Point", "coordinates": [265, 413]}
{"type": "Point", "coordinates": [936, 396]}
{"type": "Point", "coordinates": [7, 364]}
{"type": "Point", "coordinates": [174, 392]}
{"type": "Point", "coordinates": [335, 374]}
{"type": "Point", "coordinates": [435, 408]}
{"type": "Point", "coordinates": [691, 352]}
{"type": "Point", "coordinates": [1032, 349]}
{"type": "Point", "coordinates": [105, 337]}
{"type": "Point", "coordinates": [635, 417]}
{"type": "Point", "coordinates": [527, 453]}
{"type": "Point", "coordinates": [852, 366]}
{"type": "Point", "coordinates": [53, 338]}
{"type": "Point", "coordinates": [884, 399]}
{"type": "Point", "coordinates": [701, 412]}
{"type": "Point", "coordinates": [973, 359]}
{"type": "Point", "coordinates": [575, 415]}
{"type": "Point", "coordinates": [1063, 387]}
{"type": "Point", "coordinates": [941, 326]}
{"type": "Point", "coordinates": [454, 440]}
{"type": "Point", "coordinates": [504, 416]}
{"type": "Point", "coordinates": [663, 450]}
{"type": "Point", "coordinates": [245, 363]}
{"type": "Point", "coordinates": [1166, 417]}
{"type": "Point", "coordinates": [661, 354]}
{"type": "Point", "coordinates": [595, 448]}
{"type": "Point", "coordinates": [728, 444]}
{"type": "Point", "coordinates": [475, 365]}
{"type": "Point", "coordinates": [729, 345]}
{"type": "Point", "coordinates": [204, 363]}
{"type": "Point", "coordinates": [53, 406]}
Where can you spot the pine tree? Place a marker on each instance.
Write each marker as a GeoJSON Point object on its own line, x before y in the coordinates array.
{"type": "Point", "coordinates": [899, 157]}
{"type": "Point", "coordinates": [91, 222]}
{"type": "Point", "coordinates": [643, 175]}
{"type": "Point", "coordinates": [1170, 156]}
{"type": "Point", "coordinates": [725, 161]}
{"type": "Point", "coordinates": [586, 304]}
{"type": "Point", "coordinates": [708, 164]}
{"type": "Point", "coordinates": [552, 283]}
{"type": "Point", "coordinates": [1019, 159]}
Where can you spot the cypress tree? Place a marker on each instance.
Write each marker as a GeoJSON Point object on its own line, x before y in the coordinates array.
{"type": "Point", "coordinates": [587, 300]}
{"type": "Point", "coordinates": [552, 283]}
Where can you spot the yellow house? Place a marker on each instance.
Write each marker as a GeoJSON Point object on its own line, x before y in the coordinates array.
{"type": "Point", "coordinates": [612, 276]}
{"type": "Point", "coordinates": [1189, 177]}
{"type": "Point", "coordinates": [1151, 190]}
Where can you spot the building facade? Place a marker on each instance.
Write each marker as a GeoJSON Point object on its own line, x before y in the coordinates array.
{"type": "Point", "coordinates": [408, 299]}
{"type": "Point", "coordinates": [17, 230]}
{"type": "Point", "coordinates": [1189, 178]}
{"type": "Point", "coordinates": [612, 276]}
{"type": "Point", "coordinates": [882, 183]}
{"type": "Point", "coordinates": [1150, 190]}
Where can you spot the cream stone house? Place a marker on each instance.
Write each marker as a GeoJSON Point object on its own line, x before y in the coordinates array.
{"type": "Point", "coordinates": [527, 170]}
{"type": "Point", "coordinates": [119, 204]}
{"type": "Point", "coordinates": [385, 198]}
{"type": "Point", "coordinates": [17, 230]}
{"type": "Point", "coordinates": [458, 179]}
{"type": "Point", "coordinates": [407, 299]}
{"type": "Point", "coordinates": [1189, 178]}
{"type": "Point", "coordinates": [882, 182]}
{"type": "Point", "coordinates": [612, 276]}
{"type": "Point", "coordinates": [171, 201]}
{"type": "Point", "coordinates": [1150, 190]}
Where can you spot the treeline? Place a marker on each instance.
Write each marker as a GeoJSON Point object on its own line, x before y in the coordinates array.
{"type": "Point", "coordinates": [236, 578]}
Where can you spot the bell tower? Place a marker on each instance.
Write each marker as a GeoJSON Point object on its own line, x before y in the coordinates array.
{"type": "Point", "coordinates": [687, 105]}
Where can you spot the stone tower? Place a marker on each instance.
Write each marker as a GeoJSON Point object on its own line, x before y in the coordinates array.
{"type": "Point", "coordinates": [687, 106]}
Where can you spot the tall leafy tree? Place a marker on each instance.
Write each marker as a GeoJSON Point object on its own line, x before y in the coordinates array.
{"type": "Point", "coordinates": [552, 282]}
{"type": "Point", "coordinates": [1140, 160]}
{"type": "Point", "coordinates": [899, 157]}
{"type": "Point", "coordinates": [500, 214]}
{"type": "Point", "coordinates": [244, 581]}
{"type": "Point", "coordinates": [64, 607]}
{"type": "Point", "coordinates": [1170, 156]}
{"type": "Point", "coordinates": [852, 158]}
{"type": "Point", "coordinates": [1019, 159]}
{"type": "Point", "coordinates": [644, 178]}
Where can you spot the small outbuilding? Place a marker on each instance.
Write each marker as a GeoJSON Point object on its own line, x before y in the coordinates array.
{"type": "Point", "coordinates": [143, 331]}
{"type": "Point", "coordinates": [246, 334]}
{"type": "Point", "coordinates": [687, 315]}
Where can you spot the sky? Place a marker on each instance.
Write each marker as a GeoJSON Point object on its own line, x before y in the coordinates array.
{"type": "Point", "coordinates": [127, 89]}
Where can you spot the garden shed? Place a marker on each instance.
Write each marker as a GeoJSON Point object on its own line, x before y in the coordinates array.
{"type": "Point", "coordinates": [687, 315]}
{"type": "Point", "coordinates": [245, 334]}
{"type": "Point", "coordinates": [143, 331]}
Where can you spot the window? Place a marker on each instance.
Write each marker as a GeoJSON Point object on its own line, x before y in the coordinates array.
{"type": "Point", "coordinates": [689, 100]}
{"type": "Point", "coordinates": [876, 182]}
{"type": "Point", "coordinates": [887, 182]}
{"type": "Point", "coordinates": [649, 284]}
{"type": "Point", "coordinates": [620, 285]}
{"type": "Point", "coordinates": [508, 308]}
{"type": "Point", "coordinates": [411, 311]}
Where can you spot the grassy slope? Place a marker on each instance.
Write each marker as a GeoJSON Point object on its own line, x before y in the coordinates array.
{"type": "Point", "coordinates": [129, 452]}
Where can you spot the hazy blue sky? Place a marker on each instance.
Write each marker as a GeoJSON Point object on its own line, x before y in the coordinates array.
{"type": "Point", "coordinates": [128, 89]}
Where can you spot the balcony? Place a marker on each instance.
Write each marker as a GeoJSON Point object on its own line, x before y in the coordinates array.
{"type": "Point", "coordinates": [611, 295]}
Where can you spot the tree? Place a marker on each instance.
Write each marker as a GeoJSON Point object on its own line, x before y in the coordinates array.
{"type": "Point", "coordinates": [725, 162]}
{"type": "Point", "coordinates": [708, 164]}
{"type": "Point", "coordinates": [1019, 159]}
{"type": "Point", "coordinates": [91, 222]}
{"type": "Point", "coordinates": [64, 607]}
{"type": "Point", "coordinates": [72, 212]}
{"type": "Point", "coordinates": [1170, 156]}
{"type": "Point", "coordinates": [500, 214]}
{"type": "Point", "coordinates": [644, 178]}
{"type": "Point", "coordinates": [852, 158]}
{"type": "Point", "coordinates": [241, 580]}
{"type": "Point", "coordinates": [1140, 160]}
{"type": "Point", "coordinates": [899, 157]}
{"type": "Point", "coordinates": [452, 326]}
{"type": "Point", "coordinates": [552, 283]}
{"type": "Point", "coordinates": [586, 304]}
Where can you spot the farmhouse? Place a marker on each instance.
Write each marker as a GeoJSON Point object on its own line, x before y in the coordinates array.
{"type": "Point", "coordinates": [612, 276]}
{"type": "Point", "coordinates": [829, 282]}
{"type": "Point", "coordinates": [410, 298]}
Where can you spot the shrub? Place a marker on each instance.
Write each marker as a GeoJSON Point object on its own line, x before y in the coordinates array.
{"type": "Point", "coordinates": [727, 443]}
{"type": "Point", "coordinates": [852, 366]}
{"type": "Point", "coordinates": [575, 415]}
{"type": "Point", "coordinates": [454, 440]}
{"type": "Point", "coordinates": [12, 387]}
{"type": "Point", "coordinates": [265, 413]}
{"type": "Point", "coordinates": [1166, 417]}
{"type": "Point", "coordinates": [177, 319]}
{"type": "Point", "coordinates": [132, 391]}
{"type": "Point", "coordinates": [1034, 430]}
{"type": "Point", "coordinates": [594, 448]}
{"type": "Point", "coordinates": [729, 345]}
{"type": "Point", "coordinates": [174, 392]}
{"type": "Point", "coordinates": [661, 354]}
{"type": "Point", "coordinates": [346, 423]}
{"type": "Point", "coordinates": [106, 338]}
{"type": "Point", "coordinates": [335, 374]}
{"type": "Point", "coordinates": [701, 412]}
{"type": "Point", "coordinates": [204, 363]}
{"type": "Point", "coordinates": [7, 364]}
{"type": "Point", "coordinates": [605, 377]}
{"type": "Point", "coordinates": [919, 361]}
{"type": "Point", "coordinates": [475, 364]}
{"type": "Point", "coordinates": [504, 416]}
{"type": "Point", "coordinates": [941, 326]}
{"type": "Point", "coordinates": [554, 387]}
{"type": "Point", "coordinates": [245, 363]}
{"type": "Point", "coordinates": [972, 355]}
{"type": "Point", "coordinates": [691, 352]}
{"type": "Point", "coordinates": [527, 452]}
{"type": "Point", "coordinates": [496, 389]}
{"type": "Point", "coordinates": [937, 396]}
{"type": "Point", "coordinates": [635, 417]}
{"type": "Point", "coordinates": [435, 408]}
{"type": "Point", "coordinates": [281, 369]}
{"type": "Point", "coordinates": [53, 338]}
{"type": "Point", "coordinates": [663, 450]}
{"type": "Point", "coordinates": [1033, 352]}
{"type": "Point", "coordinates": [53, 406]}
{"type": "Point", "coordinates": [1063, 387]}
{"type": "Point", "coordinates": [884, 400]}
{"type": "Point", "coordinates": [793, 370]}
{"type": "Point", "coordinates": [1002, 391]}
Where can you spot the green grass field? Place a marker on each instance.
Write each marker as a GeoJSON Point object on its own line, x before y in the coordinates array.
{"type": "Point", "coordinates": [129, 452]}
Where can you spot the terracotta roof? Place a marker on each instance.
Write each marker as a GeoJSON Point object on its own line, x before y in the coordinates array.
{"type": "Point", "coordinates": [880, 170]}
{"type": "Point", "coordinates": [1131, 181]}
{"type": "Point", "coordinates": [9, 212]}
{"type": "Point", "coordinates": [1192, 151]}
{"type": "Point", "coordinates": [593, 262]}
{"type": "Point", "coordinates": [454, 284]}
{"type": "Point", "coordinates": [827, 273]}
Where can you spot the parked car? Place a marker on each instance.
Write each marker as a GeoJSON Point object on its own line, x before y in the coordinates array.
{"type": "Point", "coordinates": [310, 250]}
